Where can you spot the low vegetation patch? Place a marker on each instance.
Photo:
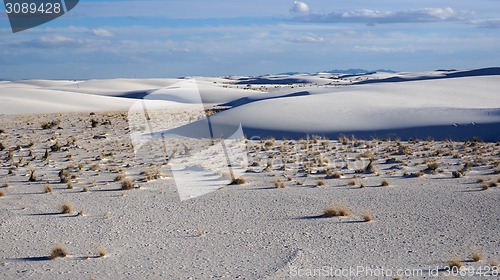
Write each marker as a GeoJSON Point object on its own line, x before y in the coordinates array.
{"type": "Point", "coordinates": [336, 211]}
{"type": "Point", "coordinates": [58, 251]}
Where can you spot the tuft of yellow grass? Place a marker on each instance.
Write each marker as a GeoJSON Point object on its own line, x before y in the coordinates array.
{"type": "Point", "coordinates": [48, 189]}
{"type": "Point", "coordinates": [476, 256]}
{"type": "Point", "coordinates": [127, 184]}
{"type": "Point", "coordinates": [384, 183]}
{"type": "Point", "coordinates": [336, 211]}
{"type": "Point", "coordinates": [66, 208]}
{"type": "Point", "coordinates": [455, 263]}
{"type": "Point", "coordinates": [367, 217]}
{"type": "Point", "coordinates": [58, 251]}
{"type": "Point", "coordinates": [101, 251]}
{"type": "Point", "coordinates": [238, 181]}
{"type": "Point", "coordinates": [2, 193]}
{"type": "Point", "coordinates": [278, 183]}
{"type": "Point", "coordinates": [320, 183]}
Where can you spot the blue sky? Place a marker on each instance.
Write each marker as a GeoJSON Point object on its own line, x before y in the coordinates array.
{"type": "Point", "coordinates": [109, 39]}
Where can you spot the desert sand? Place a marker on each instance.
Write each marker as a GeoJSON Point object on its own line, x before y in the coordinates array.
{"type": "Point", "coordinates": [353, 176]}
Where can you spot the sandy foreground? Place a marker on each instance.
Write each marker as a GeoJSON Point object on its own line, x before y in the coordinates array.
{"type": "Point", "coordinates": [142, 203]}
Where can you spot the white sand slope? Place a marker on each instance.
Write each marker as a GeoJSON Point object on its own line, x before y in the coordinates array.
{"type": "Point", "coordinates": [446, 108]}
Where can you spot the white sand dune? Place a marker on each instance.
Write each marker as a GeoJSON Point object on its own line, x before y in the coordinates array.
{"type": "Point", "coordinates": [447, 108]}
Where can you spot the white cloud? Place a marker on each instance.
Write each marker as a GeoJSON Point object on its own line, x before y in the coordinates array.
{"type": "Point", "coordinates": [300, 7]}
{"type": "Point", "coordinates": [100, 32]}
{"type": "Point", "coordinates": [487, 23]}
{"type": "Point", "coordinates": [375, 17]}
{"type": "Point", "coordinates": [311, 38]}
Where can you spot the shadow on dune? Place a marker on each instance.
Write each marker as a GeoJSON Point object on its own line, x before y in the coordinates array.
{"type": "Point", "coordinates": [247, 100]}
{"type": "Point", "coordinates": [493, 71]}
{"type": "Point", "coordinates": [486, 132]}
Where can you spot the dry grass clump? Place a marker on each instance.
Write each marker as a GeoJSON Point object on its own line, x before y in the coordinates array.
{"type": "Point", "coordinates": [238, 181]}
{"type": "Point", "coordinates": [66, 208]}
{"type": "Point", "coordinates": [433, 166]}
{"type": "Point", "coordinates": [476, 256]}
{"type": "Point", "coordinates": [320, 183]}
{"type": "Point", "coordinates": [2, 193]}
{"type": "Point", "coordinates": [2, 147]}
{"type": "Point", "coordinates": [151, 175]}
{"type": "Point", "coordinates": [485, 186]}
{"type": "Point", "coordinates": [336, 211]}
{"type": "Point", "coordinates": [279, 184]}
{"type": "Point", "coordinates": [5, 185]}
{"type": "Point", "coordinates": [101, 251]}
{"type": "Point", "coordinates": [85, 189]}
{"type": "Point", "coordinates": [48, 189]}
{"type": "Point", "coordinates": [127, 184]}
{"type": "Point", "coordinates": [362, 185]}
{"type": "Point", "coordinates": [32, 177]}
{"type": "Point", "coordinates": [333, 174]}
{"type": "Point", "coordinates": [58, 251]}
{"type": "Point", "coordinates": [367, 217]}
{"type": "Point", "coordinates": [455, 263]}
{"type": "Point", "coordinates": [51, 124]}
{"type": "Point", "coordinates": [494, 264]}
{"type": "Point", "coordinates": [384, 183]}
{"type": "Point", "coordinates": [69, 184]}
{"type": "Point", "coordinates": [351, 183]}
{"type": "Point", "coordinates": [369, 169]}
{"type": "Point", "coordinates": [120, 177]}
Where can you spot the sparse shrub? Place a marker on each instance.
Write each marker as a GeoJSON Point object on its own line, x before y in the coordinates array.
{"type": "Point", "coordinates": [85, 189]}
{"type": "Point", "coordinates": [120, 177]}
{"type": "Point", "coordinates": [455, 263]}
{"type": "Point", "coordinates": [2, 193]}
{"type": "Point", "coordinates": [69, 184]}
{"type": "Point", "coordinates": [433, 166]}
{"type": "Point", "coordinates": [48, 189]}
{"type": "Point", "coordinates": [66, 208]}
{"type": "Point", "coordinates": [279, 184]}
{"type": "Point", "coordinates": [151, 175]}
{"type": "Point", "coordinates": [238, 181]}
{"type": "Point", "coordinates": [127, 184]}
{"type": "Point", "coordinates": [480, 180]}
{"type": "Point", "coordinates": [94, 122]}
{"type": "Point", "coordinates": [351, 183]}
{"type": "Point", "coordinates": [494, 264]}
{"type": "Point", "coordinates": [456, 174]}
{"type": "Point", "coordinates": [101, 251]}
{"type": "Point", "coordinates": [32, 177]}
{"type": "Point", "coordinates": [476, 256]}
{"type": "Point", "coordinates": [336, 211]}
{"type": "Point", "coordinates": [51, 124]}
{"type": "Point", "coordinates": [485, 186]}
{"type": "Point", "coordinates": [320, 183]}
{"type": "Point", "coordinates": [367, 217]}
{"type": "Point", "coordinates": [64, 176]}
{"type": "Point", "coordinates": [333, 174]}
{"type": "Point", "coordinates": [58, 251]}
{"type": "Point", "coordinates": [56, 147]}
{"type": "Point", "coordinates": [362, 185]}
{"type": "Point", "coordinates": [384, 183]}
